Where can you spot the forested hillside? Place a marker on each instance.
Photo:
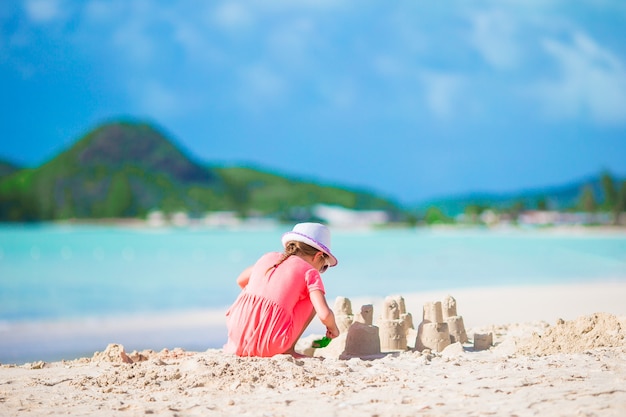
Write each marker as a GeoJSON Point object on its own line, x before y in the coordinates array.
{"type": "Point", "coordinates": [126, 169]}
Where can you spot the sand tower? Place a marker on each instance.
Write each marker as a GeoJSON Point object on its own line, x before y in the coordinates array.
{"type": "Point", "coordinates": [363, 338]}
{"type": "Point", "coordinates": [455, 322]}
{"type": "Point", "coordinates": [441, 326]}
{"type": "Point", "coordinates": [366, 316]}
{"type": "Point", "coordinates": [343, 313]}
{"type": "Point", "coordinates": [433, 332]}
{"type": "Point", "coordinates": [394, 324]}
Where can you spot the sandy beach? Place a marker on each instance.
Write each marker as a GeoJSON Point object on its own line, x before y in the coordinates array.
{"type": "Point", "coordinates": [557, 350]}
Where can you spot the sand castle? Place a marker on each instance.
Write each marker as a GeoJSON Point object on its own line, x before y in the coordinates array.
{"type": "Point", "coordinates": [433, 332]}
{"type": "Point", "coordinates": [363, 338]}
{"type": "Point", "coordinates": [394, 324]}
{"type": "Point", "coordinates": [343, 314]}
{"type": "Point", "coordinates": [455, 322]}
{"type": "Point", "coordinates": [441, 326]}
{"type": "Point", "coordinates": [359, 337]}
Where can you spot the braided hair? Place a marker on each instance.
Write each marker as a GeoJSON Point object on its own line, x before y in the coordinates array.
{"type": "Point", "coordinates": [294, 247]}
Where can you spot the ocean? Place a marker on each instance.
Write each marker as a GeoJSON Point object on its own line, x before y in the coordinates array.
{"type": "Point", "coordinates": [72, 273]}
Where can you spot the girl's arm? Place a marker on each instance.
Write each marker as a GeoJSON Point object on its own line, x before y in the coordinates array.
{"type": "Point", "coordinates": [324, 312]}
{"type": "Point", "coordinates": [244, 277]}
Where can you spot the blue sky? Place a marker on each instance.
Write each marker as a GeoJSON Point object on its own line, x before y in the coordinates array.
{"type": "Point", "coordinates": [412, 99]}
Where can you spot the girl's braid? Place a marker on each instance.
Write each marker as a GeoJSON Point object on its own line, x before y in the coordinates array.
{"type": "Point", "coordinates": [293, 248]}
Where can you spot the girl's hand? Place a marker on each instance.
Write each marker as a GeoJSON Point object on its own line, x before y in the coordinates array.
{"type": "Point", "coordinates": [332, 332]}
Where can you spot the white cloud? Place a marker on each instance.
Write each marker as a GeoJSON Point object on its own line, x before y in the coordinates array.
{"type": "Point", "coordinates": [131, 37]}
{"type": "Point", "coordinates": [301, 5]}
{"type": "Point", "coordinates": [232, 15]}
{"type": "Point", "coordinates": [103, 10]}
{"type": "Point", "coordinates": [388, 66]}
{"type": "Point", "coordinates": [197, 45]}
{"type": "Point", "coordinates": [442, 92]}
{"type": "Point", "coordinates": [131, 30]}
{"type": "Point", "coordinates": [44, 11]}
{"type": "Point", "coordinates": [161, 102]}
{"type": "Point", "coordinates": [289, 44]}
{"type": "Point", "coordinates": [494, 37]}
{"type": "Point", "coordinates": [260, 86]}
{"type": "Point", "coordinates": [592, 82]}
{"type": "Point", "coordinates": [339, 94]}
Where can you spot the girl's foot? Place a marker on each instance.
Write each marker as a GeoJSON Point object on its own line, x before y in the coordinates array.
{"type": "Point", "coordinates": [296, 355]}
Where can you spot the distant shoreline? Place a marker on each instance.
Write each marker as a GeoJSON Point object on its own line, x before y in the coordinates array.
{"type": "Point", "coordinates": [144, 224]}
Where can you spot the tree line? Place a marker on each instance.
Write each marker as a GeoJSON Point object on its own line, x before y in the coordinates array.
{"type": "Point", "coordinates": [612, 200]}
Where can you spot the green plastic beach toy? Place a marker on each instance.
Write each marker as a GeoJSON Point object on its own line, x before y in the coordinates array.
{"type": "Point", "coordinates": [323, 342]}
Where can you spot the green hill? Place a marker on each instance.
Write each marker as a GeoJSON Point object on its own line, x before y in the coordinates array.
{"type": "Point", "coordinates": [7, 168]}
{"type": "Point", "coordinates": [290, 198]}
{"type": "Point", "coordinates": [126, 169]}
{"type": "Point", "coordinates": [117, 170]}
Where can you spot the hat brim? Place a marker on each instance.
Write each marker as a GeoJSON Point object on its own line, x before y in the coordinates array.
{"type": "Point", "coordinates": [299, 237]}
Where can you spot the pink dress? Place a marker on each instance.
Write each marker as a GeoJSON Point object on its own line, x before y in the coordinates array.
{"type": "Point", "coordinates": [271, 312]}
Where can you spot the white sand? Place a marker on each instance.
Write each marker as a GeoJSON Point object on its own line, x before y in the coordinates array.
{"type": "Point", "coordinates": [576, 367]}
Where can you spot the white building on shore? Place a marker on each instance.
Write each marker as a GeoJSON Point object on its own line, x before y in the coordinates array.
{"type": "Point", "coordinates": [343, 217]}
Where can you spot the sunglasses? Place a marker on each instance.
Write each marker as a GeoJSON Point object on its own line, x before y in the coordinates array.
{"type": "Point", "coordinates": [326, 265]}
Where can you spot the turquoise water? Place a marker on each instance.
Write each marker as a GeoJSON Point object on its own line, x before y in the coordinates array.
{"type": "Point", "coordinates": [59, 272]}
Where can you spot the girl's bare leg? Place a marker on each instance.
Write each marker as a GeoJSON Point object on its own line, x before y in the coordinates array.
{"type": "Point", "coordinates": [292, 349]}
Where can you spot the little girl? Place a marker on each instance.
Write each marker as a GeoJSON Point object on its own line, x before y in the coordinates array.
{"type": "Point", "coordinates": [281, 295]}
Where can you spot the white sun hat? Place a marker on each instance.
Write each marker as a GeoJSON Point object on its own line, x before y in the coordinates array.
{"type": "Point", "coordinates": [313, 234]}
